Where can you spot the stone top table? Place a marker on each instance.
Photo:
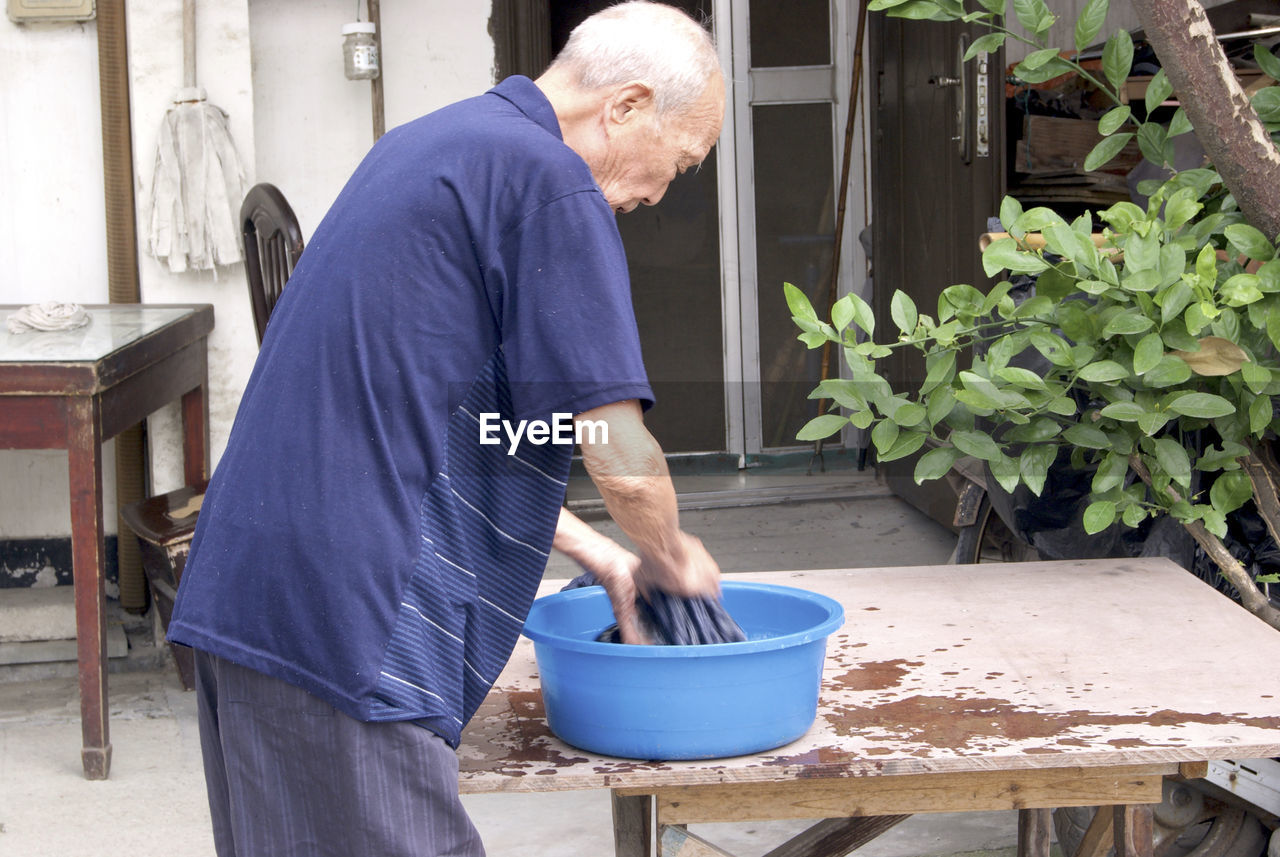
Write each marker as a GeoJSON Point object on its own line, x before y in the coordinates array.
{"type": "Point", "coordinates": [950, 688]}
{"type": "Point", "coordinates": [74, 389]}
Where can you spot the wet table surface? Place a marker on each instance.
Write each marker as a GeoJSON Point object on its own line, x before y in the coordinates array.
{"type": "Point", "coordinates": [963, 669]}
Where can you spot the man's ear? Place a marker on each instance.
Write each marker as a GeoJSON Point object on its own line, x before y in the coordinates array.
{"type": "Point", "coordinates": [629, 101]}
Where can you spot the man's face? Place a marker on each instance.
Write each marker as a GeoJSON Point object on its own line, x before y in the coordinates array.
{"type": "Point", "coordinates": [644, 156]}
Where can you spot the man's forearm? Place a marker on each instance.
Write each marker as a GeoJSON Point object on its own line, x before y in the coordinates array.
{"type": "Point", "coordinates": [631, 474]}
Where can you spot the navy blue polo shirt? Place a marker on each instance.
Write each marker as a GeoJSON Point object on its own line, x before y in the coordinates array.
{"type": "Point", "coordinates": [361, 537]}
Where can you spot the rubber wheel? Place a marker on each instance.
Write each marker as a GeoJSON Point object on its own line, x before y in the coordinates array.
{"type": "Point", "coordinates": [989, 540]}
{"type": "Point", "coordinates": [1220, 831]}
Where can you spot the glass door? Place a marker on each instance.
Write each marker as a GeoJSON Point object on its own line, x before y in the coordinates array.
{"type": "Point", "coordinates": [787, 107]}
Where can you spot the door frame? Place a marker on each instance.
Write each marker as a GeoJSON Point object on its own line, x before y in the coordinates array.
{"type": "Point", "coordinates": [739, 288]}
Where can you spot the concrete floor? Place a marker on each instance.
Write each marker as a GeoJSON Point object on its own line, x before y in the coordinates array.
{"type": "Point", "coordinates": [154, 801]}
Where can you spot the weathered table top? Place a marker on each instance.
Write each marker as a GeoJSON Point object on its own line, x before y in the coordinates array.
{"type": "Point", "coordinates": [954, 669]}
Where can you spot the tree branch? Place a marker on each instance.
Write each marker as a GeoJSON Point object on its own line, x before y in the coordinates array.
{"type": "Point", "coordinates": [1225, 122]}
{"type": "Point", "coordinates": [1250, 598]}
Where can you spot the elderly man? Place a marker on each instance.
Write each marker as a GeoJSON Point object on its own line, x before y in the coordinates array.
{"type": "Point", "coordinates": [377, 527]}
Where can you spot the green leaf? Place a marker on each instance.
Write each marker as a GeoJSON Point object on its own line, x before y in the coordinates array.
{"type": "Point", "coordinates": [1089, 23]}
{"type": "Point", "coordinates": [1179, 124]}
{"type": "Point", "coordinates": [823, 426]}
{"type": "Point", "coordinates": [884, 435]}
{"type": "Point", "coordinates": [1152, 142]}
{"type": "Point", "coordinates": [995, 6]}
{"type": "Point", "coordinates": [1035, 59]}
{"type": "Point", "coordinates": [1102, 153]}
{"type": "Point", "coordinates": [1151, 422]}
{"type": "Point", "coordinates": [1010, 211]}
{"type": "Point", "coordinates": [1251, 242]}
{"type": "Point", "coordinates": [1157, 91]}
{"type": "Point", "coordinates": [1256, 378]}
{"type": "Point", "coordinates": [939, 369]}
{"type": "Point", "coordinates": [1125, 323]}
{"type": "Point", "coordinates": [1024, 378]}
{"type": "Point", "coordinates": [1182, 206]}
{"type": "Point", "coordinates": [1230, 491]}
{"type": "Point", "coordinates": [1215, 522]}
{"type": "Point", "coordinates": [917, 10]}
{"type": "Point", "coordinates": [1117, 59]}
{"type": "Point", "coordinates": [1267, 103]}
{"type": "Point", "coordinates": [1110, 473]}
{"type": "Point", "coordinates": [976, 443]}
{"type": "Point", "coordinates": [906, 444]}
{"type": "Point", "coordinates": [1266, 61]}
{"type": "Point", "coordinates": [1173, 459]}
{"type": "Point", "coordinates": [1098, 516]}
{"type": "Point", "coordinates": [1147, 353]}
{"type": "Point", "coordinates": [1039, 429]}
{"type": "Point", "coordinates": [1113, 119]}
{"type": "Point", "coordinates": [1036, 219]}
{"type": "Point", "coordinates": [935, 463]}
{"type": "Point", "coordinates": [798, 303]}
{"type": "Point", "coordinates": [1103, 371]}
{"type": "Point", "coordinates": [1003, 254]}
{"type": "Point", "coordinates": [1133, 515]}
{"type": "Point", "coordinates": [1228, 456]}
{"type": "Point", "coordinates": [1260, 414]}
{"type": "Point", "coordinates": [1174, 300]}
{"type": "Point", "coordinates": [1034, 15]}
{"type": "Point", "coordinates": [1240, 290]}
{"type": "Point", "coordinates": [1087, 436]}
{"type": "Point", "coordinates": [1034, 463]}
{"type": "Point", "coordinates": [1200, 405]}
{"type": "Point", "coordinates": [842, 313]}
{"type": "Point", "coordinates": [990, 43]}
{"type": "Point", "coordinates": [1125, 412]}
{"type": "Point", "coordinates": [909, 415]}
{"type": "Point", "coordinates": [1171, 370]}
{"type": "Point", "coordinates": [903, 312]}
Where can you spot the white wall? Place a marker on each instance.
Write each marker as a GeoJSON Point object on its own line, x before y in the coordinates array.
{"type": "Point", "coordinates": [275, 66]}
{"type": "Point", "coordinates": [52, 222]}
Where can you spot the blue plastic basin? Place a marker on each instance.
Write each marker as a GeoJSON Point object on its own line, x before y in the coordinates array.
{"type": "Point", "coordinates": [684, 702]}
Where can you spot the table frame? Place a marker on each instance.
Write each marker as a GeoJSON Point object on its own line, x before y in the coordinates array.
{"type": "Point", "coordinates": [856, 811]}
{"type": "Point", "coordinates": [76, 406]}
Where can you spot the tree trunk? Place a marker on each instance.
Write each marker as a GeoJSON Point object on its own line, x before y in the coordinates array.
{"type": "Point", "coordinates": [1226, 124]}
{"type": "Point", "coordinates": [1250, 598]}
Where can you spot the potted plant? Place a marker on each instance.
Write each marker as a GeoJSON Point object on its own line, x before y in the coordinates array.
{"type": "Point", "coordinates": [1147, 326]}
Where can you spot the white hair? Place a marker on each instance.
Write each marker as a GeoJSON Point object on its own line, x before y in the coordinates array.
{"type": "Point", "coordinates": [653, 43]}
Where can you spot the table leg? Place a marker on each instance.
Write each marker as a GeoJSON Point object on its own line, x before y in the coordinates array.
{"type": "Point", "coordinates": [84, 464]}
{"type": "Point", "coordinates": [1134, 827]}
{"type": "Point", "coordinates": [195, 434]}
{"type": "Point", "coordinates": [632, 825]}
{"type": "Point", "coordinates": [1033, 832]}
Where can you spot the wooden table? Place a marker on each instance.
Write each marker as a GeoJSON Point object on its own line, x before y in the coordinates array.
{"type": "Point", "coordinates": [1022, 686]}
{"type": "Point", "coordinates": [75, 389]}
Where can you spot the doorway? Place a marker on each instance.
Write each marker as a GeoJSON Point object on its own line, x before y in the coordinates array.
{"type": "Point", "coordinates": [707, 264]}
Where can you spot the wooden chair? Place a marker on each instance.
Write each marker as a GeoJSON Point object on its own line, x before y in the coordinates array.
{"type": "Point", "coordinates": [164, 524]}
{"type": "Point", "coordinates": [272, 245]}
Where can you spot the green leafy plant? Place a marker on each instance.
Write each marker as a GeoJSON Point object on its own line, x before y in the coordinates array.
{"type": "Point", "coordinates": [1162, 324]}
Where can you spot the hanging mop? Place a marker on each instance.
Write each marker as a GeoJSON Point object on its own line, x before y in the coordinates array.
{"type": "Point", "coordinates": [198, 181]}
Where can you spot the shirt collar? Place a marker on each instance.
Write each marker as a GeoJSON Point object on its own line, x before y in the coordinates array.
{"type": "Point", "coordinates": [529, 100]}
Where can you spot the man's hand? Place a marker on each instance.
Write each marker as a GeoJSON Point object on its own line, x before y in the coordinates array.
{"type": "Point", "coordinates": [631, 474]}
{"type": "Point", "coordinates": [613, 566]}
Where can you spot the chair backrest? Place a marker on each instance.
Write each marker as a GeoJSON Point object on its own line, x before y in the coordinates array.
{"type": "Point", "coordinates": [272, 245]}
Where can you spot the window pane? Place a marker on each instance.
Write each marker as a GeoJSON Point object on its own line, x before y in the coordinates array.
{"type": "Point", "coordinates": [795, 222]}
{"type": "Point", "coordinates": [797, 32]}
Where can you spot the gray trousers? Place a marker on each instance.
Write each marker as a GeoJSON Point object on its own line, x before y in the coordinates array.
{"type": "Point", "coordinates": [290, 776]}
